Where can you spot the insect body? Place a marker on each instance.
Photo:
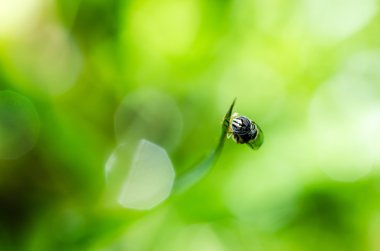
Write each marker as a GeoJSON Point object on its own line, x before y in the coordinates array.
{"type": "Point", "coordinates": [245, 131]}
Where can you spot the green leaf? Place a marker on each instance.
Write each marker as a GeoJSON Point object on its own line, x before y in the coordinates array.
{"type": "Point", "coordinates": [204, 166]}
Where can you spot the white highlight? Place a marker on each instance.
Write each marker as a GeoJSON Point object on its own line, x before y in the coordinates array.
{"type": "Point", "coordinates": [237, 123]}
{"type": "Point", "coordinates": [150, 179]}
{"type": "Point", "coordinates": [139, 178]}
{"type": "Point", "coordinates": [17, 15]}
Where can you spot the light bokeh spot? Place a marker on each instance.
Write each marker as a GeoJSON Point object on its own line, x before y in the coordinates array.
{"type": "Point", "coordinates": [151, 115]}
{"type": "Point", "coordinates": [50, 58]}
{"type": "Point", "coordinates": [196, 238]}
{"type": "Point", "coordinates": [141, 177]}
{"type": "Point", "coordinates": [16, 15]}
{"type": "Point", "coordinates": [345, 119]}
{"type": "Point", "coordinates": [19, 125]}
{"type": "Point", "coordinates": [338, 19]}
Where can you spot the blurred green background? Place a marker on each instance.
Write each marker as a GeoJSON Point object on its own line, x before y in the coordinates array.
{"type": "Point", "coordinates": [75, 75]}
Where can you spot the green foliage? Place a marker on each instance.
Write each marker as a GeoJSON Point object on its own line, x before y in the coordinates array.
{"type": "Point", "coordinates": [80, 78]}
